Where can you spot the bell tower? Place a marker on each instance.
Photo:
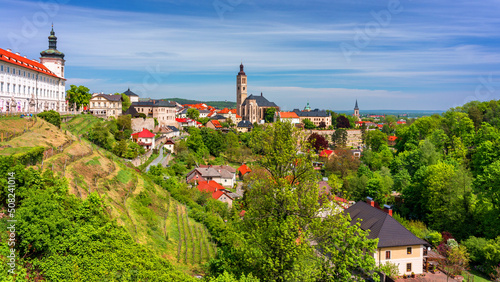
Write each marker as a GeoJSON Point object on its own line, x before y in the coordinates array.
{"type": "Point", "coordinates": [356, 110]}
{"type": "Point", "coordinates": [241, 89]}
{"type": "Point", "coordinates": [52, 58]}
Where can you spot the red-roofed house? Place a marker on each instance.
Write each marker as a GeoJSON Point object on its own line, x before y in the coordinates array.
{"type": "Point", "coordinates": [214, 124]}
{"type": "Point", "coordinates": [217, 191]}
{"type": "Point", "coordinates": [326, 153]}
{"type": "Point", "coordinates": [145, 138]}
{"type": "Point", "coordinates": [242, 170]}
{"type": "Point", "coordinates": [291, 117]}
{"type": "Point", "coordinates": [391, 140]}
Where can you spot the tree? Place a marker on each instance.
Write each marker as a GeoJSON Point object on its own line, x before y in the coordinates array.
{"type": "Point", "coordinates": [343, 122]}
{"type": "Point", "coordinates": [375, 139]}
{"type": "Point", "coordinates": [282, 215]}
{"type": "Point", "coordinates": [269, 115]}
{"type": "Point", "coordinates": [318, 142]}
{"type": "Point", "coordinates": [308, 124]}
{"type": "Point", "coordinates": [193, 113]}
{"type": "Point", "coordinates": [457, 260]}
{"type": "Point", "coordinates": [125, 101]}
{"type": "Point", "coordinates": [78, 95]}
{"type": "Point", "coordinates": [339, 138]}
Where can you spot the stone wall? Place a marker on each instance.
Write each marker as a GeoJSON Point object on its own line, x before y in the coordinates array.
{"type": "Point", "coordinates": [139, 123]}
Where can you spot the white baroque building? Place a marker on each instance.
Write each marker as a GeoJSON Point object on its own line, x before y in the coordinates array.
{"type": "Point", "coordinates": [29, 86]}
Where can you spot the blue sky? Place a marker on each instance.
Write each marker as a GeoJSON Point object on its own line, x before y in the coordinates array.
{"type": "Point", "coordinates": [410, 55]}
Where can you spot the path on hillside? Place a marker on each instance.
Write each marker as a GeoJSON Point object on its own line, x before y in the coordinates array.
{"type": "Point", "coordinates": [160, 159]}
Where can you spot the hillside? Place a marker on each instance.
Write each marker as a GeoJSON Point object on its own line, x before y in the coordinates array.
{"type": "Point", "coordinates": [148, 212]}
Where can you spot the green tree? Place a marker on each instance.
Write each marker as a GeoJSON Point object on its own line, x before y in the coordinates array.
{"type": "Point", "coordinates": [269, 114]}
{"type": "Point", "coordinates": [125, 101]}
{"type": "Point", "coordinates": [193, 113]}
{"type": "Point", "coordinates": [281, 216]}
{"type": "Point", "coordinates": [78, 95]}
{"type": "Point", "coordinates": [375, 139]}
{"type": "Point", "coordinates": [339, 138]}
{"type": "Point", "coordinates": [308, 124]}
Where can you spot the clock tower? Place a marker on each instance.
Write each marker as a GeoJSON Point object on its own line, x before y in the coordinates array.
{"type": "Point", "coordinates": [241, 90]}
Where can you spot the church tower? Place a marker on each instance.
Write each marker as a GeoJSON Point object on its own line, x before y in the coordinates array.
{"type": "Point", "coordinates": [52, 58]}
{"type": "Point", "coordinates": [356, 110]}
{"type": "Point", "coordinates": [241, 90]}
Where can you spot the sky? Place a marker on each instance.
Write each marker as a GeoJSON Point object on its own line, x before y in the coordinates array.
{"type": "Point", "coordinates": [387, 54]}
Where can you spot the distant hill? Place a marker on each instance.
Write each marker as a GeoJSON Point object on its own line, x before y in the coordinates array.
{"type": "Point", "coordinates": [216, 104]}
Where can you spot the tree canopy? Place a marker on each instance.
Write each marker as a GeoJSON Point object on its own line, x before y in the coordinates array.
{"type": "Point", "coordinates": [78, 95]}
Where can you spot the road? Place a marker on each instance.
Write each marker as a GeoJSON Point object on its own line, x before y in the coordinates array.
{"type": "Point", "coordinates": [158, 160]}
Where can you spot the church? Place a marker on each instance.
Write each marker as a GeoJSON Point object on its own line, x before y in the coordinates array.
{"type": "Point", "coordinates": [29, 86]}
{"type": "Point", "coordinates": [252, 108]}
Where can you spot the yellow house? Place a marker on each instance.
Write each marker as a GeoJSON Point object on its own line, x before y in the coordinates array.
{"type": "Point", "coordinates": [396, 243]}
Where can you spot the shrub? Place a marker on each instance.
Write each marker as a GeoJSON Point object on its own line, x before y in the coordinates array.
{"type": "Point", "coordinates": [51, 117]}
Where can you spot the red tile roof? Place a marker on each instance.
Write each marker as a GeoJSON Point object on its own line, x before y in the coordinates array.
{"type": "Point", "coordinates": [288, 115]}
{"type": "Point", "coordinates": [144, 134]}
{"type": "Point", "coordinates": [211, 187]}
{"type": "Point", "coordinates": [243, 169]}
{"type": "Point", "coordinates": [325, 153]}
{"type": "Point", "coordinates": [392, 138]}
{"type": "Point", "coordinates": [18, 60]}
{"type": "Point", "coordinates": [216, 123]}
{"type": "Point", "coordinates": [181, 120]}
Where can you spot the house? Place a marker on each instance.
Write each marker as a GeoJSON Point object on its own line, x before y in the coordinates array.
{"type": "Point", "coordinates": [168, 131]}
{"type": "Point", "coordinates": [222, 174]}
{"type": "Point", "coordinates": [185, 122]}
{"type": "Point", "coordinates": [145, 138]}
{"type": "Point", "coordinates": [291, 117]}
{"type": "Point", "coordinates": [217, 192]}
{"type": "Point", "coordinates": [242, 170]}
{"type": "Point", "coordinates": [132, 96]}
{"type": "Point", "coordinates": [315, 116]}
{"type": "Point", "coordinates": [396, 244]}
{"type": "Point", "coordinates": [244, 126]}
{"type": "Point", "coordinates": [169, 145]}
{"type": "Point", "coordinates": [162, 111]}
{"type": "Point", "coordinates": [356, 153]}
{"type": "Point", "coordinates": [214, 124]}
{"type": "Point", "coordinates": [391, 140]}
{"type": "Point", "coordinates": [106, 105]}
{"type": "Point", "coordinates": [326, 154]}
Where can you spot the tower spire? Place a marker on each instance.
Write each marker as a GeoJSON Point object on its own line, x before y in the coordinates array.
{"type": "Point", "coordinates": [356, 106]}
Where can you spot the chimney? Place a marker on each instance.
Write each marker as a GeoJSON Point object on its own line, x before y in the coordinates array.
{"type": "Point", "coordinates": [388, 209]}
{"type": "Point", "coordinates": [370, 201]}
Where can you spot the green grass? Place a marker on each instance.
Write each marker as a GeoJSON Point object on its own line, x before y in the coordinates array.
{"type": "Point", "coordinates": [11, 151]}
{"type": "Point", "coordinates": [94, 161]}
{"type": "Point", "coordinates": [478, 277]}
{"type": "Point", "coordinates": [123, 176]}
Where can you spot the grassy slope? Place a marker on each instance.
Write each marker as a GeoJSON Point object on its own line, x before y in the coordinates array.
{"type": "Point", "coordinates": [145, 209]}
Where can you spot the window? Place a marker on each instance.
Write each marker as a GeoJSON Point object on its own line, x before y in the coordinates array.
{"type": "Point", "coordinates": [408, 251]}
{"type": "Point", "coordinates": [408, 267]}
{"type": "Point", "coordinates": [1, 68]}
{"type": "Point", "coordinates": [243, 88]}
{"type": "Point", "coordinates": [387, 254]}
{"type": "Point", "coordinates": [425, 251]}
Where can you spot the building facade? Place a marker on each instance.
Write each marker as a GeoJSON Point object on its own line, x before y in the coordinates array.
{"type": "Point", "coordinates": [316, 116]}
{"type": "Point", "coordinates": [163, 111]}
{"type": "Point", "coordinates": [30, 86]}
{"type": "Point", "coordinates": [106, 105]}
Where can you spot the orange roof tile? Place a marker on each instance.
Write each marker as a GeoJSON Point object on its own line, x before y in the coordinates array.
{"type": "Point", "coordinates": [243, 169]}
{"type": "Point", "coordinates": [18, 60]}
{"type": "Point", "coordinates": [288, 115]}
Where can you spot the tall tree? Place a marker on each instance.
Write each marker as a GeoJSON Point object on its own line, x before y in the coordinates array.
{"type": "Point", "coordinates": [375, 139]}
{"type": "Point", "coordinates": [282, 216]}
{"type": "Point", "coordinates": [269, 115]}
{"type": "Point", "coordinates": [125, 101]}
{"type": "Point", "coordinates": [78, 95]}
{"type": "Point", "coordinates": [339, 138]}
